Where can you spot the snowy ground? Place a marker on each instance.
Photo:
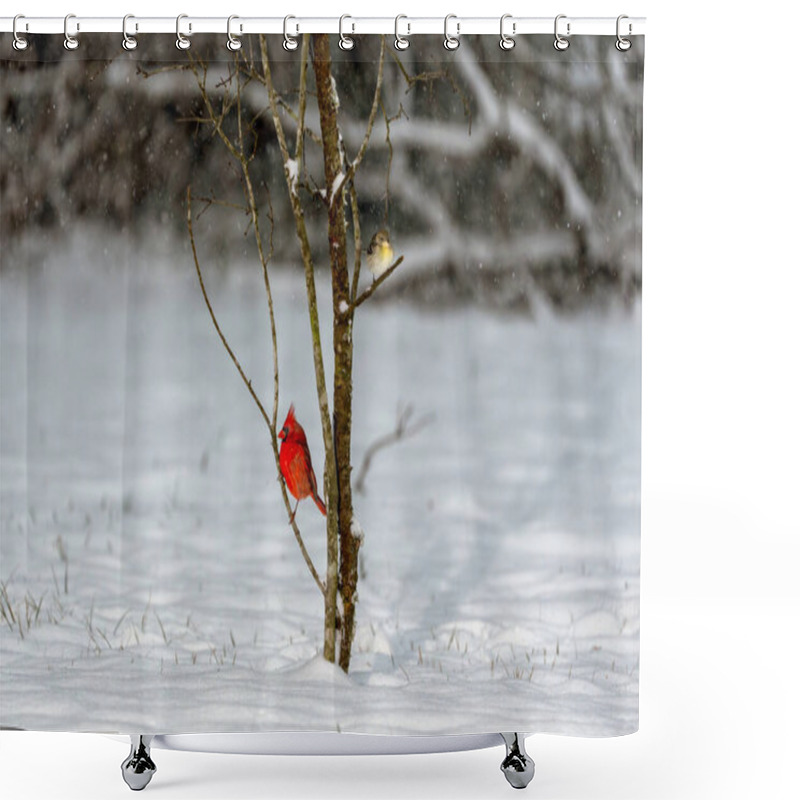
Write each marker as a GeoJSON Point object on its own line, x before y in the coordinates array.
{"type": "Point", "coordinates": [150, 581]}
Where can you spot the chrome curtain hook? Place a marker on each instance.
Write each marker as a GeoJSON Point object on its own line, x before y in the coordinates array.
{"type": "Point", "coordinates": [289, 42]}
{"type": "Point", "coordinates": [346, 42]}
{"type": "Point", "coordinates": [451, 42]}
{"type": "Point", "coordinates": [20, 43]}
{"type": "Point", "coordinates": [70, 41]}
{"type": "Point", "coordinates": [561, 43]}
{"type": "Point", "coordinates": [506, 41]}
{"type": "Point", "coordinates": [623, 44]}
{"type": "Point", "coordinates": [234, 42]}
{"type": "Point", "coordinates": [182, 42]}
{"type": "Point", "coordinates": [400, 42]}
{"type": "Point", "coordinates": [128, 42]}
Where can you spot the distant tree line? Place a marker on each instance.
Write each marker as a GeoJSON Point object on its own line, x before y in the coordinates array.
{"type": "Point", "coordinates": [503, 177]}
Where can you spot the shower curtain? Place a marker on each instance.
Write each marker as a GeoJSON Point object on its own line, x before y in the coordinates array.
{"type": "Point", "coordinates": [320, 385]}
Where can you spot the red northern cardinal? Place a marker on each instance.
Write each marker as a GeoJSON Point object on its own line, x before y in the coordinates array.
{"type": "Point", "coordinates": [296, 464]}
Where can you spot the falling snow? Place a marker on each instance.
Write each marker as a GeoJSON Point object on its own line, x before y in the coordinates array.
{"type": "Point", "coordinates": [499, 575]}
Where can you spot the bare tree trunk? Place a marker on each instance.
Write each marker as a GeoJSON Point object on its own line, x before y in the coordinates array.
{"type": "Point", "coordinates": [342, 337]}
{"type": "Point", "coordinates": [331, 488]}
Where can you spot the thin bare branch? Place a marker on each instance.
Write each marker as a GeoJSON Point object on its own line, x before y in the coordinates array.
{"type": "Point", "coordinates": [429, 78]}
{"type": "Point", "coordinates": [198, 119]}
{"type": "Point", "coordinates": [281, 103]}
{"type": "Point", "coordinates": [331, 485]}
{"type": "Point", "coordinates": [264, 260]}
{"type": "Point", "coordinates": [149, 73]}
{"type": "Point", "coordinates": [404, 429]}
{"type": "Point", "coordinates": [305, 249]}
{"type": "Point", "coordinates": [388, 121]}
{"type": "Point", "coordinates": [215, 201]}
{"type": "Point", "coordinates": [376, 98]}
{"type": "Point", "coordinates": [249, 384]}
{"type": "Point", "coordinates": [309, 132]}
{"type": "Point", "coordinates": [232, 355]}
{"type": "Point", "coordinates": [301, 113]}
{"type": "Point", "coordinates": [239, 104]}
{"type": "Point", "coordinates": [368, 292]}
{"type": "Point", "coordinates": [215, 118]}
{"type": "Point", "coordinates": [357, 236]}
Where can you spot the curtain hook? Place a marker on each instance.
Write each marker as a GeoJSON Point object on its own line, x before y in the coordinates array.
{"type": "Point", "coordinates": [20, 43]}
{"type": "Point", "coordinates": [346, 42]}
{"type": "Point", "coordinates": [234, 42]}
{"type": "Point", "coordinates": [451, 42]}
{"type": "Point", "coordinates": [623, 44]}
{"type": "Point", "coordinates": [506, 41]}
{"type": "Point", "coordinates": [400, 42]}
{"type": "Point", "coordinates": [289, 42]}
{"type": "Point", "coordinates": [561, 43]}
{"type": "Point", "coordinates": [128, 42]}
{"type": "Point", "coordinates": [182, 42]}
{"type": "Point", "coordinates": [70, 41]}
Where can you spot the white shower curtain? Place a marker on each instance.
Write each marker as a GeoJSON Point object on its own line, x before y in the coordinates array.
{"type": "Point", "coordinates": [441, 277]}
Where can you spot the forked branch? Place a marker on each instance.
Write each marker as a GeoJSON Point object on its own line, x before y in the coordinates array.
{"type": "Point", "coordinates": [404, 429]}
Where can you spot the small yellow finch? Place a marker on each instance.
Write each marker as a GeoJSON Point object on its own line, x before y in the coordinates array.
{"type": "Point", "coordinates": [380, 253]}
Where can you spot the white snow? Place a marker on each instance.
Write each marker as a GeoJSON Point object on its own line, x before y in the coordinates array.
{"type": "Point", "coordinates": [337, 182]}
{"type": "Point", "coordinates": [500, 577]}
{"type": "Point", "coordinates": [292, 172]}
{"type": "Point", "coordinates": [334, 92]}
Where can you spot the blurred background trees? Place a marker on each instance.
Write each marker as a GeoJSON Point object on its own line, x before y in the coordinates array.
{"type": "Point", "coordinates": [506, 177]}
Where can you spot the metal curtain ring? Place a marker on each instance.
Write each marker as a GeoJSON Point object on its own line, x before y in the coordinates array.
{"type": "Point", "coordinates": [289, 42]}
{"type": "Point", "coordinates": [234, 42]}
{"type": "Point", "coordinates": [400, 42]}
{"type": "Point", "coordinates": [561, 43]}
{"type": "Point", "coordinates": [622, 44]}
{"type": "Point", "coordinates": [20, 42]}
{"type": "Point", "coordinates": [128, 42]}
{"type": "Point", "coordinates": [506, 42]}
{"type": "Point", "coordinates": [346, 42]}
{"type": "Point", "coordinates": [451, 42]}
{"type": "Point", "coordinates": [70, 41]}
{"type": "Point", "coordinates": [182, 42]}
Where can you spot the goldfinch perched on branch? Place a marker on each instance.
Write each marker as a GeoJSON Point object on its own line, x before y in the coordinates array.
{"type": "Point", "coordinates": [380, 253]}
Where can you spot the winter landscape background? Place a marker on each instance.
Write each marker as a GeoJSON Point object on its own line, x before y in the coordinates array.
{"type": "Point", "coordinates": [149, 581]}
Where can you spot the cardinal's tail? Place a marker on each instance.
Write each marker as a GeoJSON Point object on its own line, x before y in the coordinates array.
{"type": "Point", "coordinates": [320, 504]}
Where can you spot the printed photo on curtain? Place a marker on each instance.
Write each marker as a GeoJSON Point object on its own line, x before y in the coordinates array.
{"type": "Point", "coordinates": [320, 390]}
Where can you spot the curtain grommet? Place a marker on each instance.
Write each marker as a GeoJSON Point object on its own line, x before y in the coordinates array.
{"type": "Point", "coordinates": [507, 42]}
{"type": "Point", "coordinates": [70, 41]}
{"type": "Point", "coordinates": [182, 41]}
{"type": "Point", "coordinates": [622, 44]}
{"type": "Point", "coordinates": [289, 41]}
{"type": "Point", "coordinates": [451, 43]}
{"type": "Point", "coordinates": [401, 42]}
{"type": "Point", "coordinates": [234, 43]}
{"type": "Point", "coordinates": [561, 43]}
{"type": "Point", "coordinates": [128, 42]}
{"type": "Point", "coordinates": [346, 42]}
{"type": "Point", "coordinates": [19, 43]}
